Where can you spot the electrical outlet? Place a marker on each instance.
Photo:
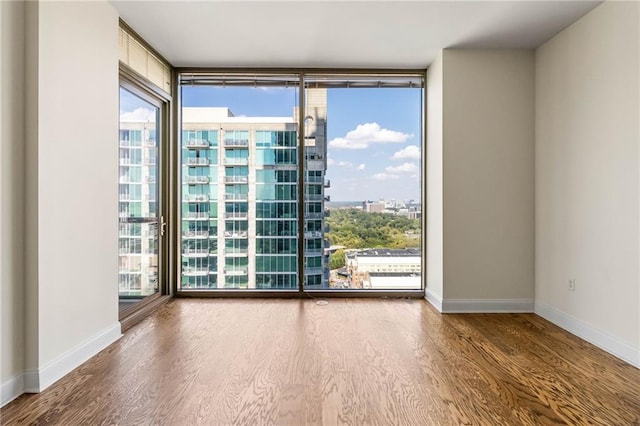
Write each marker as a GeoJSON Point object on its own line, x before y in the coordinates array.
{"type": "Point", "coordinates": [572, 285]}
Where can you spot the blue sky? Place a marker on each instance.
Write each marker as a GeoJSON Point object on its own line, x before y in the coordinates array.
{"type": "Point", "coordinates": [374, 134]}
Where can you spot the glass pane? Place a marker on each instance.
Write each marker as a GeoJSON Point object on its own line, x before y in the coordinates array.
{"type": "Point", "coordinates": [138, 198]}
{"type": "Point", "coordinates": [239, 186]}
{"type": "Point", "coordinates": [363, 184]}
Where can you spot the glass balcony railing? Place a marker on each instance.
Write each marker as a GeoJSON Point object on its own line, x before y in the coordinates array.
{"type": "Point", "coordinates": [197, 144]}
{"type": "Point", "coordinates": [236, 142]}
{"type": "Point", "coordinates": [236, 161]}
{"type": "Point", "coordinates": [196, 216]}
{"type": "Point", "coordinates": [201, 198]}
{"type": "Point", "coordinates": [195, 180]}
{"type": "Point", "coordinates": [195, 252]}
{"type": "Point", "coordinates": [236, 271]}
{"type": "Point", "coordinates": [236, 197]}
{"type": "Point", "coordinates": [197, 161]}
{"type": "Point", "coordinates": [236, 215]}
{"type": "Point", "coordinates": [313, 234]}
{"type": "Point", "coordinates": [235, 234]}
{"type": "Point", "coordinates": [195, 272]}
{"type": "Point", "coordinates": [313, 271]}
{"type": "Point", "coordinates": [196, 234]}
{"type": "Point", "coordinates": [236, 179]}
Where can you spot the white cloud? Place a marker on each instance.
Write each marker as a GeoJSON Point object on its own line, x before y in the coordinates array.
{"type": "Point", "coordinates": [360, 167]}
{"type": "Point", "coordinates": [403, 168]}
{"type": "Point", "coordinates": [347, 164]}
{"type": "Point", "coordinates": [366, 134]}
{"type": "Point", "coordinates": [412, 152]}
{"type": "Point", "coordinates": [139, 115]}
{"type": "Point", "coordinates": [330, 161]}
{"type": "Point", "coordinates": [384, 176]}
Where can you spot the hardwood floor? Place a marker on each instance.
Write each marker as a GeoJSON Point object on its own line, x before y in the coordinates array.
{"type": "Point", "coordinates": [354, 361]}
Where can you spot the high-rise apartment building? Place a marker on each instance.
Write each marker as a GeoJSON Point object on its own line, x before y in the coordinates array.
{"type": "Point", "coordinates": [240, 198]}
{"type": "Point", "coordinates": [138, 238]}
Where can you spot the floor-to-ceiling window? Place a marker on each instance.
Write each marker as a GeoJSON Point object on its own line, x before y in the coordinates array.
{"type": "Point", "coordinates": [297, 181]}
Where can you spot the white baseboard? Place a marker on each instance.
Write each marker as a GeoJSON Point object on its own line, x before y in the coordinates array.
{"type": "Point", "coordinates": [11, 389]}
{"type": "Point", "coordinates": [468, 306]}
{"type": "Point", "coordinates": [38, 380]}
{"type": "Point", "coordinates": [601, 339]}
{"type": "Point", "coordinates": [434, 299]}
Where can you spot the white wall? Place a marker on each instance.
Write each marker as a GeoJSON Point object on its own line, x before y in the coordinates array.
{"type": "Point", "coordinates": [11, 197]}
{"type": "Point", "coordinates": [71, 161]}
{"type": "Point", "coordinates": [587, 178]}
{"type": "Point", "coordinates": [434, 183]}
{"type": "Point", "coordinates": [488, 180]}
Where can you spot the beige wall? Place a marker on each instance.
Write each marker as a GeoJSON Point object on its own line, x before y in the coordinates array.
{"type": "Point", "coordinates": [71, 175]}
{"type": "Point", "coordinates": [587, 171]}
{"type": "Point", "coordinates": [434, 181]}
{"type": "Point", "coordinates": [488, 176]}
{"type": "Point", "coordinates": [11, 195]}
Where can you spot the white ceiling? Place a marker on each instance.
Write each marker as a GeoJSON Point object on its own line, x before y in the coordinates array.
{"type": "Point", "coordinates": [349, 34]}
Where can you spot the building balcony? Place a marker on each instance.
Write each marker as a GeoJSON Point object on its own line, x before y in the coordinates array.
{"type": "Point", "coordinates": [194, 253]}
{"type": "Point", "coordinates": [327, 228]}
{"type": "Point", "coordinates": [127, 179]}
{"type": "Point", "coordinates": [129, 197]}
{"type": "Point", "coordinates": [315, 165]}
{"type": "Point", "coordinates": [130, 162]}
{"type": "Point", "coordinates": [327, 198]}
{"type": "Point", "coordinates": [128, 143]}
{"type": "Point", "coordinates": [197, 144]}
{"type": "Point", "coordinates": [313, 234]}
{"type": "Point", "coordinates": [195, 180]}
{"type": "Point", "coordinates": [313, 179]}
{"type": "Point", "coordinates": [236, 271]}
{"type": "Point", "coordinates": [235, 234]}
{"type": "Point", "coordinates": [313, 215]}
{"type": "Point", "coordinates": [236, 252]}
{"type": "Point", "coordinates": [313, 271]}
{"type": "Point", "coordinates": [149, 179]}
{"type": "Point", "coordinates": [236, 215]}
{"type": "Point", "coordinates": [201, 198]}
{"type": "Point", "coordinates": [196, 235]}
{"type": "Point", "coordinates": [195, 272]}
{"type": "Point", "coordinates": [313, 197]}
{"type": "Point", "coordinates": [236, 161]}
{"type": "Point", "coordinates": [236, 179]}
{"type": "Point", "coordinates": [234, 143]}
{"type": "Point", "coordinates": [236, 197]}
{"type": "Point", "coordinates": [327, 212]}
{"type": "Point", "coordinates": [327, 183]}
{"type": "Point", "coordinates": [196, 216]}
{"type": "Point", "coordinates": [196, 162]}
{"type": "Point", "coordinates": [313, 252]}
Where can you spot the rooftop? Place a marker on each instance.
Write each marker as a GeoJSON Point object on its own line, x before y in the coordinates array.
{"type": "Point", "coordinates": [383, 252]}
{"type": "Point", "coordinates": [225, 115]}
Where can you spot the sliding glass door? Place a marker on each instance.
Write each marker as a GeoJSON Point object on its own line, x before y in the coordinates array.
{"type": "Point", "coordinates": [141, 222]}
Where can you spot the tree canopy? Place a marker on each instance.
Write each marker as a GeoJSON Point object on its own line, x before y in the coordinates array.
{"type": "Point", "coordinates": [354, 228]}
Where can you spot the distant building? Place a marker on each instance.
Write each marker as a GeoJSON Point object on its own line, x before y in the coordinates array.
{"type": "Point", "coordinates": [373, 206]}
{"type": "Point", "coordinates": [385, 268]}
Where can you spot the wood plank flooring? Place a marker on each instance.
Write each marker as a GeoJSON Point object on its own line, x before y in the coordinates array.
{"type": "Point", "coordinates": [353, 361]}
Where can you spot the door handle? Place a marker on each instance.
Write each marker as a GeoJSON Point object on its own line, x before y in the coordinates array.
{"type": "Point", "coordinates": [163, 226]}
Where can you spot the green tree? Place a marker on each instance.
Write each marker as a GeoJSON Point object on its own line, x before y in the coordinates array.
{"type": "Point", "coordinates": [337, 259]}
